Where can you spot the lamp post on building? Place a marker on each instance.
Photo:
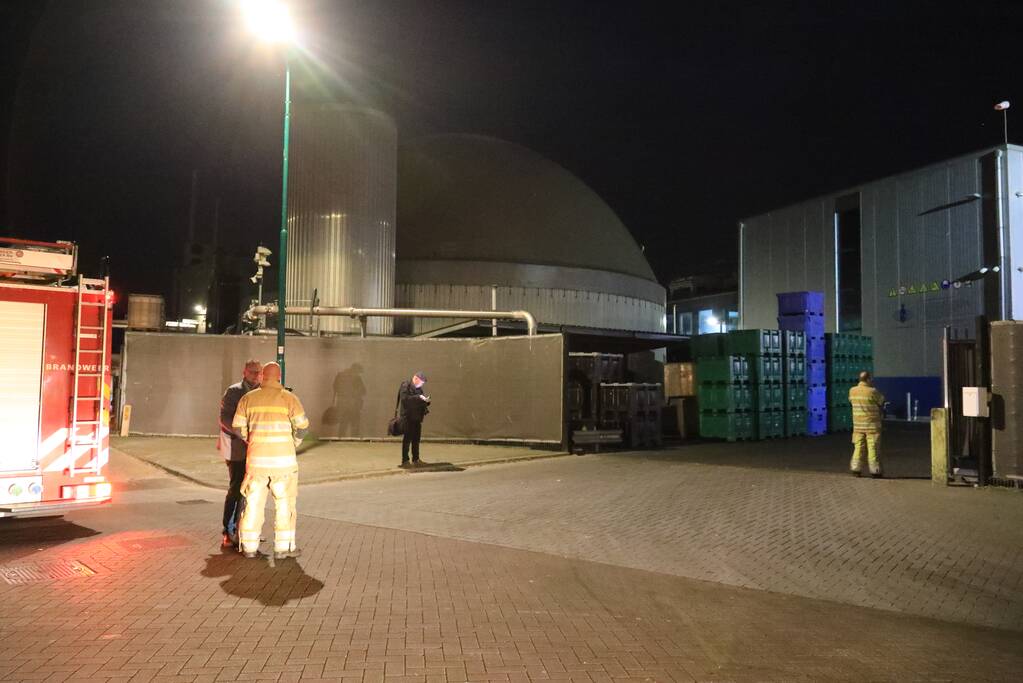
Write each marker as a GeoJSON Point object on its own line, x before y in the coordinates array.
{"type": "Point", "coordinates": [270, 22]}
{"type": "Point", "coordinates": [1003, 107]}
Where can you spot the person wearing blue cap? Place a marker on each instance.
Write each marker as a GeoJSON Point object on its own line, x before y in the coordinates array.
{"type": "Point", "coordinates": [413, 405]}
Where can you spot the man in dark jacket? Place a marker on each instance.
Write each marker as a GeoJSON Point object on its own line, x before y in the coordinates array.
{"type": "Point", "coordinates": [413, 405]}
{"type": "Point", "coordinates": [232, 447]}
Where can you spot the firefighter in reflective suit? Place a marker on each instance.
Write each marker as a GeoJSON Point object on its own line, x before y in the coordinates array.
{"type": "Point", "coordinates": [272, 421]}
{"type": "Point", "coordinates": [866, 413]}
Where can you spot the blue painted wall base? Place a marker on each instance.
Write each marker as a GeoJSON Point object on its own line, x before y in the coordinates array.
{"type": "Point", "coordinates": [927, 390]}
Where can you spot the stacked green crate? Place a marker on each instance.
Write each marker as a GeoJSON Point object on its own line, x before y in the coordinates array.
{"type": "Point", "coordinates": [847, 356]}
{"type": "Point", "coordinates": [762, 351]}
{"type": "Point", "coordinates": [723, 390]}
{"type": "Point", "coordinates": [794, 381]}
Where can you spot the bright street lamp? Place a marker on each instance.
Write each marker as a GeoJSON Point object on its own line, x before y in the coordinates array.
{"type": "Point", "coordinates": [270, 21]}
{"type": "Point", "coordinates": [1003, 107]}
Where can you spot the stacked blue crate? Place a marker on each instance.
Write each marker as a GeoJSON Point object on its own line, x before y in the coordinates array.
{"type": "Point", "coordinates": [804, 312]}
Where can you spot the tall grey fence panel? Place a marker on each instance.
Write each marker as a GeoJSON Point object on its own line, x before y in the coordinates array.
{"type": "Point", "coordinates": [497, 389]}
{"type": "Point", "coordinates": [1007, 399]}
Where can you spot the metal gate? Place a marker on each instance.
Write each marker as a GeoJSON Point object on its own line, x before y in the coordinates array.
{"type": "Point", "coordinates": [967, 363]}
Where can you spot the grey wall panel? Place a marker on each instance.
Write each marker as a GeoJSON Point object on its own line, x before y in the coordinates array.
{"type": "Point", "coordinates": [485, 273]}
{"type": "Point", "coordinates": [917, 228]}
{"type": "Point", "coordinates": [869, 274]}
{"type": "Point", "coordinates": [509, 388]}
{"type": "Point", "coordinates": [555, 306]}
{"type": "Point", "coordinates": [1014, 216]}
{"type": "Point", "coordinates": [1007, 398]}
{"type": "Point", "coordinates": [341, 211]}
{"type": "Point", "coordinates": [757, 307]}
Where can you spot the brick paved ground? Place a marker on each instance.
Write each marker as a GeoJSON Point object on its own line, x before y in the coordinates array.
{"type": "Point", "coordinates": [903, 544]}
{"type": "Point", "coordinates": [196, 458]}
{"type": "Point", "coordinates": [369, 603]}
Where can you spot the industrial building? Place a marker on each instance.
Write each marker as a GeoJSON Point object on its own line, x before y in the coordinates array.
{"type": "Point", "coordinates": [706, 303]}
{"type": "Point", "coordinates": [478, 215]}
{"type": "Point", "coordinates": [899, 259]}
{"type": "Point", "coordinates": [481, 224]}
{"type": "Point", "coordinates": [341, 204]}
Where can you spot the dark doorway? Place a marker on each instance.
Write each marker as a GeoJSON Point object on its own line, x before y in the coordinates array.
{"type": "Point", "coordinates": [848, 265]}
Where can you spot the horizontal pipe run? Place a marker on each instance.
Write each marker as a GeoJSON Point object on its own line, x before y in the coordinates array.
{"type": "Point", "coordinates": [352, 312]}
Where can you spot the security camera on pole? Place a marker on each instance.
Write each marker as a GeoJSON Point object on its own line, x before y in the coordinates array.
{"type": "Point", "coordinates": [261, 261]}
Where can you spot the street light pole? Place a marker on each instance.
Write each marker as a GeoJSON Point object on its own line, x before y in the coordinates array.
{"type": "Point", "coordinates": [1003, 107]}
{"type": "Point", "coordinates": [282, 260]}
{"type": "Point", "coordinates": [270, 21]}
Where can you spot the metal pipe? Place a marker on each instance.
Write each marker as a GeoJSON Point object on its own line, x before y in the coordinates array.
{"type": "Point", "coordinates": [493, 307]}
{"type": "Point", "coordinates": [351, 312]}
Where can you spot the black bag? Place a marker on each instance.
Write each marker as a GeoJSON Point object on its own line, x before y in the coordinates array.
{"type": "Point", "coordinates": [396, 426]}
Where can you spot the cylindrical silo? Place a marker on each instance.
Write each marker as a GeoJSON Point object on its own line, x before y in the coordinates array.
{"type": "Point", "coordinates": [341, 212]}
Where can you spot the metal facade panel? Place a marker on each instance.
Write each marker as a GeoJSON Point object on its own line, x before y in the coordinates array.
{"type": "Point", "coordinates": [824, 219]}
{"type": "Point", "coordinates": [868, 247]}
{"type": "Point", "coordinates": [917, 228]}
{"type": "Point", "coordinates": [1014, 217]}
{"type": "Point", "coordinates": [341, 212]}
{"type": "Point", "coordinates": [555, 306]}
{"type": "Point", "coordinates": [756, 311]}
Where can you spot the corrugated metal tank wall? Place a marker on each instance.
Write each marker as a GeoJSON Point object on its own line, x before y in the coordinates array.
{"type": "Point", "coordinates": [558, 306]}
{"type": "Point", "coordinates": [341, 212]}
{"type": "Point", "coordinates": [920, 227]}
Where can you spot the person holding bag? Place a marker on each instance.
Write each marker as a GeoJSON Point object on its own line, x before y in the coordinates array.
{"type": "Point", "coordinates": [412, 406]}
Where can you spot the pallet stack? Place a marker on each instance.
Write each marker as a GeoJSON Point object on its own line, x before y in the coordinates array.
{"type": "Point", "coordinates": [762, 351]}
{"type": "Point", "coordinates": [847, 356]}
{"type": "Point", "coordinates": [793, 360]}
{"type": "Point", "coordinates": [804, 312]}
{"type": "Point", "coordinates": [587, 371]}
{"type": "Point", "coordinates": [723, 390]}
{"type": "Point", "coordinates": [635, 408]}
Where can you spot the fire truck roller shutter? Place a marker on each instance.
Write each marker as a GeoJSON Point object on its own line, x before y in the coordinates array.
{"type": "Point", "coordinates": [21, 366]}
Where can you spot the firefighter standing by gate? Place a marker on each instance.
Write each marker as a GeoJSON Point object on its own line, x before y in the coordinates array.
{"type": "Point", "coordinates": [271, 419]}
{"type": "Point", "coordinates": [866, 413]}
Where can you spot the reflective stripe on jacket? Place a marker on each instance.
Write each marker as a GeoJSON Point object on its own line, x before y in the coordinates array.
{"type": "Point", "coordinates": [866, 408]}
{"type": "Point", "coordinates": [269, 419]}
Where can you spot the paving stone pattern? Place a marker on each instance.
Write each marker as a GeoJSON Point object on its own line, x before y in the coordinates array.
{"type": "Point", "coordinates": [903, 545]}
{"type": "Point", "coordinates": [373, 604]}
{"type": "Point", "coordinates": [367, 603]}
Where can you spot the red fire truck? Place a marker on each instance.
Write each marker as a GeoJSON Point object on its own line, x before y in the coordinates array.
{"type": "Point", "coordinates": [55, 380]}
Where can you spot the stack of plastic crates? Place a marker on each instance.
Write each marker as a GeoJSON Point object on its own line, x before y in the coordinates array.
{"type": "Point", "coordinates": [723, 390]}
{"type": "Point", "coordinates": [762, 351]}
{"type": "Point", "coordinates": [847, 356]}
{"type": "Point", "coordinates": [793, 362]}
{"type": "Point", "coordinates": [635, 408]}
{"type": "Point", "coordinates": [804, 312]}
{"type": "Point", "coordinates": [587, 371]}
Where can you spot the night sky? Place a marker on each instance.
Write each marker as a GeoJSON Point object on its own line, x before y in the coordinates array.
{"type": "Point", "coordinates": [684, 117]}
